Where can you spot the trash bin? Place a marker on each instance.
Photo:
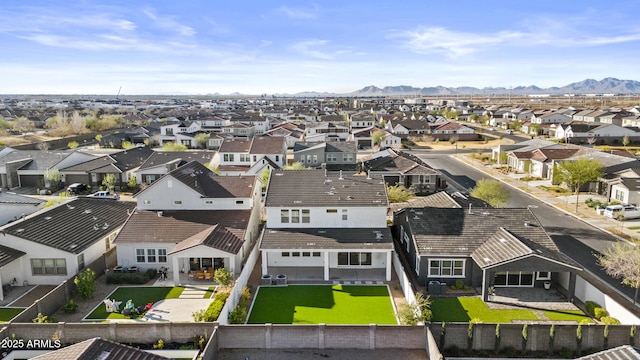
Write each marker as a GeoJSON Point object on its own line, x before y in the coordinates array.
{"type": "Point", "coordinates": [443, 288]}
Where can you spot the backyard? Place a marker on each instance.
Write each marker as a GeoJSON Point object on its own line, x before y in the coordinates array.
{"type": "Point", "coordinates": [8, 313]}
{"type": "Point", "coordinates": [465, 309]}
{"type": "Point", "coordinates": [139, 296]}
{"type": "Point", "coordinates": [315, 304]}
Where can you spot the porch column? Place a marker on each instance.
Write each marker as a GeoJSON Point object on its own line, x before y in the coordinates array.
{"type": "Point", "coordinates": [175, 269]}
{"type": "Point", "coordinates": [486, 280]}
{"type": "Point", "coordinates": [388, 269]}
{"type": "Point", "coordinates": [265, 271]}
{"type": "Point", "coordinates": [326, 265]}
{"type": "Point", "coordinates": [572, 286]}
{"type": "Point", "coordinates": [232, 264]}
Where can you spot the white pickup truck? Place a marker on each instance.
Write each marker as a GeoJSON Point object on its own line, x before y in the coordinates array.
{"type": "Point", "coordinates": [104, 195]}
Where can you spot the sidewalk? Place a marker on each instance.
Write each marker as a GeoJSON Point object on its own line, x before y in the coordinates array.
{"type": "Point", "coordinates": [629, 230]}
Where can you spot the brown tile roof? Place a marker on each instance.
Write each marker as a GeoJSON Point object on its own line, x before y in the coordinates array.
{"type": "Point", "coordinates": [75, 225]}
{"type": "Point", "coordinates": [173, 227]}
{"type": "Point", "coordinates": [267, 145]}
{"type": "Point", "coordinates": [235, 145]}
{"type": "Point", "coordinates": [216, 237]}
{"type": "Point", "coordinates": [330, 238]}
{"type": "Point", "coordinates": [320, 188]}
{"type": "Point", "coordinates": [97, 348]}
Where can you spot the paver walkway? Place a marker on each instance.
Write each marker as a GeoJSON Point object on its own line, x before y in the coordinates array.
{"type": "Point", "coordinates": [193, 292]}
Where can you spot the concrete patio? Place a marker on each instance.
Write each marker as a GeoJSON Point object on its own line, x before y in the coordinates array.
{"type": "Point", "coordinates": [530, 298]}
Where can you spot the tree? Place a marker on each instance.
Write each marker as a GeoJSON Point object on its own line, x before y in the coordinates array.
{"type": "Point", "coordinates": [127, 145]}
{"type": "Point", "coordinates": [72, 144]}
{"type": "Point", "coordinates": [223, 277]}
{"type": "Point", "coordinates": [52, 177]}
{"type": "Point", "coordinates": [169, 146]}
{"type": "Point", "coordinates": [86, 283]}
{"type": "Point", "coordinates": [214, 168]}
{"type": "Point", "coordinates": [98, 137]}
{"type": "Point", "coordinates": [622, 261]}
{"type": "Point", "coordinates": [264, 177]}
{"type": "Point", "coordinates": [201, 139]}
{"type": "Point", "coordinates": [492, 192]}
{"type": "Point", "coordinates": [577, 173]}
{"type": "Point", "coordinates": [296, 166]}
{"type": "Point", "coordinates": [109, 182]}
{"type": "Point", "coordinates": [417, 312]}
{"type": "Point", "coordinates": [535, 129]}
{"type": "Point", "coordinates": [23, 125]}
{"type": "Point", "coordinates": [377, 137]}
{"type": "Point", "coordinates": [398, 193]}
{"type": "Point", "coordinates": [625, 140]}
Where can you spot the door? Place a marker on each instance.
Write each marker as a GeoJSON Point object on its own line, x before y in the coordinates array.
{"type": "Point", "coordinates": [513, 279]}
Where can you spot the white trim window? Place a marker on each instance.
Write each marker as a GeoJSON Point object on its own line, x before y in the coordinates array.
{"type": "Point", "coordinates": [543, 275]}
{"type": "Point", "coordinates": [48, 267]}
{"type": "Point", "coordinates": [140, 255]}
{"type": "Point", "coordinates": [354, 259]}
{"type": "Point", "coordinates": [452, 268]}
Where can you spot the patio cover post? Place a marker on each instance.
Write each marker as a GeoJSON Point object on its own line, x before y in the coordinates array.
{"type": "Point", "coordinates": [176, 270]}
{"type": "Point", "coordinates": [388, 268]}
{"type": "Point", "coordinates": [265, 270]}
{"type": "Point", "coordinates": [572, 286]}
{"type": "Point", "coordinates": [486, 280]}
{"type": "Point", "coordinates": [326, 265]}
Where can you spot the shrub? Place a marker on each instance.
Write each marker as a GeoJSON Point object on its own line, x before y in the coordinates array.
{"type": "Point", "coordinates": [565, 353]}
{"type": "Point", "coordinates": [238, 315]}
{"type": "Point", "coordinates": [459, 284]}
{"type": "Point", "coordinates": [590, 306]}
{"type": "Point", "coordinates": [151, 274]}
{"type": "Point", "coordinates": [212, 312]}
{"type": "Point", "coordinates": [223, 277]}
{"type": "Point", "coordinates": [599, 313]}
{"type": "Point", "coordinates": [127, 278]}
{"type": "Point", "coordinates": [608, 320]}
{"type": "Point", "coordinates": [509, 351]}
{"type": "Point", "coordinates": [70, 307]}
{"type": "Point", "coordinates": [86, 283]}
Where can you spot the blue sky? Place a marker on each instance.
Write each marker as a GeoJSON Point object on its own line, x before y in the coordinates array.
{"type": "Point", "coordinates": [200, 47]}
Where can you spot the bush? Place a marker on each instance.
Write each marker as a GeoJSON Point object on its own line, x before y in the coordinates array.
{"type": "Point", "coordinates": [566, 353]}
{"type": "Point", "coordinates": [608, 320]}
{"type": "Point", "coordinates": [599, 313]}
{"type": "Point", "coordinates": [127, 278]}
{"type": "Point", "coordinates": [238, 315]}
{"type": "Point", "coordinates": [212, 312]}
{"type": "Point", "coordinates": [151, 274]}
{"type": "Point", "coordinates": [86, 283]}
{"type": "Point", "coordinates": [590, 306]}
{"type": "Point", "coordinates": [70, 307]}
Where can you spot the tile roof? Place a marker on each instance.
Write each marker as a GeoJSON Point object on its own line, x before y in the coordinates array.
{"type": "Point", "coordinates": [173, 227]}
{"type": "Point", "coordinates": [623, 352]}
{"type": "Point", "coordinates": [235, 145]}
{"type": "Point", "coordinates": [460, 231]}
{"type": "Point", "coordinates": [7, 254]}
{"type": "Point", "coordinates": [97, 348]}
{"type": "Point", "coordinates": [216, 237]}
{"type": "Point", "coordinates": [12, 198]}
{"type": "Point", "coordinates": [199, 178]}
{"type": "Point", "coordinates": [158, 158]}
{"type": "Point", "coordinates": [330, 238]}
{"type": "Point", "coordinates": [267, 145]}
{"type": "Point", "coordinates": [114, 163]}
{"type": "Point", "coordinates": [74, 225]}
{"type": "Point", "coordinates": [400, 162]}
{"type": "Point", "coordinates": [36, 159]}
{"type": "Point", "coordinates": [321, 189]}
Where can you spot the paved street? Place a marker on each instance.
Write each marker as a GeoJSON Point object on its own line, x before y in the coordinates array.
{"type": "Point", "coordinates": [578, 235]}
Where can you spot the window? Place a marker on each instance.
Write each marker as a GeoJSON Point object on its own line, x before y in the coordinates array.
{"type": "Point", "coordinates": [344, 214]}
{"type": "Point", "coordinates": [295, 253]}
{"type": "Point", "coordinates": [80, 261]}
{"type": "Point", "coordinates": [285, 254]}
{"type": "Point", "coordinates": [446, 268]}
{"type": "Point", "coordinates": [228, 157]}
{"type": "Point", "coordinates": [177, 202]}
{"type": "Point", "coordinates": [309, 159]}
{"type": "Point", "coordinates": [140, 255]}
{"type": "Point", "coordinates": [619, 195]}
{"type": "Point", "coordinates": [147, 202]}
{"type": "Point", "coordinates": [245, 157]}
{"type": "Point", "coordinates": [332, 211]}
{"type": "Point", "coordinates": [295, 216]}
{"type": "Point", "coordinates": [347, 157]}
{"type": "Point", "coordinates": [48, 267]}
{"type": "Point", "coordinates": [306, 216]}
{"type": "Point", "coordinates": [543, 275]}
{"type": "Point", "coordinates": [277, 158]}
{"type": "Point", "coordinates": [306, 254]}
{"type": "Point", "coordinates": [151, 255]}
{"type": "Point", "coordinates": [332, 157]}
{"type": "Point", "coordinates": [284, 216]}
{"type": "Point", "coordinates": [162, 255]}
{"type": "Point", "coordinates": [315, 159]}
{"type": "Point", "coordinates": [354, 258]}
{"type": "Point", "coordinates": [316, 254]}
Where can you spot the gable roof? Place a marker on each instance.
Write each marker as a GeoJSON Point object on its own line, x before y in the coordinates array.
{"type": "Point", "coordinates": [216, 236]}
{"type": "Point", "coordinates": [114, 163]}
{"type": "Point", "coordinates": [623, 352]}
{"type": "Point", "coordinates": [7, 254]}
{"type": "Point", "coordinates": [35, 159]}
{"type": "Point", "coordinates": [192, 226]}
{"type": "Point", "coordinates": [12, 198]}
{"type": "Point", "coordinates": [235, 145]}
{"type": "Point", "coordinates": [321, 189]}
{"type": "Point", "coordinates": [97, 348]}
{"type": "Point", "coordinates": [74, 225]}
{"type": "Point", "coordinates": [158, 158]}
{"type": "Point", "coordinates": [399, 162]}
{"type": "Point", "coordinates": [267, 145]}
{"type": "Point", "coordinates": [202, 180]}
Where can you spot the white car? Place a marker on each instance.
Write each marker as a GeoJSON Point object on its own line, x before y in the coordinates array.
{"type": "Point", "coordinates": [622, 212]}
{"type": "Point", "coordinates": [104, 195]}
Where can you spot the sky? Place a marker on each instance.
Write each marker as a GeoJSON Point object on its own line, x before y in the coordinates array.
{"type": "Point", "coordinates": [273, 47]}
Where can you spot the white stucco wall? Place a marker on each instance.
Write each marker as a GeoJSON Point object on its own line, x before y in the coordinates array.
{"type": "Point", "coordinates": [358, 217]}
{"type": "Point", "coordinates": [10, 212]}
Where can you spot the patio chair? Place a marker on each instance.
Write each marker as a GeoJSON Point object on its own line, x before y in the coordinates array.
{"type": "Point", "coordinates": [208, 275]}
{"type": "Point", "coordinates": [116, 305]}
{"type": "Point", "coordinates": [108, 304]}
{"type": "Point", "coordinates": [191, 275]}
{"type": "Point", "coordinates": [200, 275]}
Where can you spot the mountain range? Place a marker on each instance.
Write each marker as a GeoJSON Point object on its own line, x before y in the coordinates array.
{"type": "Point", "coordinates": [589, 86]}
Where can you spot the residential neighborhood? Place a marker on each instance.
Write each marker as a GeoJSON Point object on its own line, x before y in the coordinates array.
{"type": "Point", "coordinates": [239, 199]}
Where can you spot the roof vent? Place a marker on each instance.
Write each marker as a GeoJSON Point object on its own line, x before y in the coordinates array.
{"type": "Point", "coordinates": [159, 213]}
{"type": "Point", "coordinates": [527, 224]}
{"type": "Point", "coordinates": [88, 211]}
{"type": "Point", "coordinates": [96, 227]}
{"type": "Point", "coordinates": [47, 218]}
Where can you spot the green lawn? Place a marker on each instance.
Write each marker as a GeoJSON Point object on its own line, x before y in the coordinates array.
{"type": "Point", "coordinates": [209, 292]}
{"type": "Point", "coordinates": [6, 314]}
{"type": "Point", "coordinates": [140, 296]}
{"type": "Point", "coordinates": [315, 304]}
{"type": "Point", "coordinates": [464, 309]}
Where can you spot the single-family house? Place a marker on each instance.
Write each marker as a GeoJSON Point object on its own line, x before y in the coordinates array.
{"type": "Point", "coordinates": [326, 131]}
{"type": "Point", "coordinates": [400, 168]}
{"type": "Point", "coordinates": [62, 240]}
{"type": "Point", "coordinates": [239, 156]}
{"type": "Point", "coordinates": [483, 247]}
{"type": "Point", "coordinates": [15, 206]}
{"type": "Point", "coordinates": [161, 162]}
{"type": "Point", "coordinates": [332, 155]}
{"type": "Point", "coordinates": [364, 138]}
{"type": "Point", "coordinates": [334, 227]}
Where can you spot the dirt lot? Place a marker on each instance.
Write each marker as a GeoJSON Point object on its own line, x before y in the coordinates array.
{"type": "Point", "coordinates": [445, 145]}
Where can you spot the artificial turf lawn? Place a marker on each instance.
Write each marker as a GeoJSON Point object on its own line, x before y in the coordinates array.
{"type": "Point", "coordinates": [139, 295]}
{"type": "Point", "coordinates": [6, 314]}
{"type": "Point", "coordinates": [316, 304]}
{"type": "Point", "coordinates": [209, 292]}
{"type": "Point", "coordinates": [464, 309]}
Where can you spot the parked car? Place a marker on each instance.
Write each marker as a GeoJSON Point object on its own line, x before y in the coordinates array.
{"type": "Point", "coordinates": [623, 212]}
{"type": "Point", "coordinates": [104, 195]}
{"type": "Point", "coordinates": [77, 188]}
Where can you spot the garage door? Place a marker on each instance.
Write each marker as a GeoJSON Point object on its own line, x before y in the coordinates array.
{"type": "Point", "coordinates": [31, 180]}
{"type": "Point", "coordinates": [70, 179]}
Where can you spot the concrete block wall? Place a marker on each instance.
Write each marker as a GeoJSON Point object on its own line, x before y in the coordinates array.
{"type": "Point", "coordinates": [46, 305]}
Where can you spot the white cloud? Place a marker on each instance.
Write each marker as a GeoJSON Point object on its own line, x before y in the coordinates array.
{"type": "Point", "coordinates": [313, 49]}
{"type": "Point", "coordinates": [169, 23]}
{"type": "Point", "coordinates": [299, 12]}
